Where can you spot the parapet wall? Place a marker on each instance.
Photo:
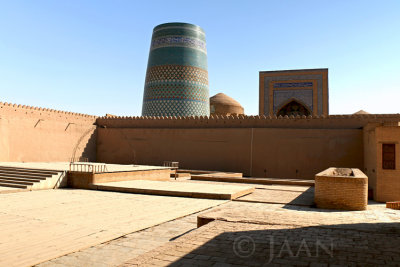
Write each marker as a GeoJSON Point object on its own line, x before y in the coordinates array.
{"type": "Point", "coordinates": [242, 121]}
{"type": "Point", "coordinates": [43, 113]}
{"type": "Point", "coordinates": [256, 152]}
{"type": "Point", "coordinates": [258, 146]}
{"type": "Point", "coordinates": [40, 134]}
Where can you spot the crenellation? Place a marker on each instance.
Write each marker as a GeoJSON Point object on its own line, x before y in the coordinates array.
{"type": "Point", "coordinates": [230, 121]}
{"type": "Point", "coordinates": [30, 111]}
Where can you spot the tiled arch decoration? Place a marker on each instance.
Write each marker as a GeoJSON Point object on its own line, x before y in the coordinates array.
{"type": "Point", "coordinates": [308, 86]}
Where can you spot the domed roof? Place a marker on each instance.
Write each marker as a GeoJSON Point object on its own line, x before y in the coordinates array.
{"type": "Point", "coordinates": [221, 104]}
{"type": "Point", "coordinates": [361, 112]}
{"type": "Point", "coordinates": [223, 99]}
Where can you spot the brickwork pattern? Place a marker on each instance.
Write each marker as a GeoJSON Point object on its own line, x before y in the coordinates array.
{"type": "Point", "coordinates": [217, 244]}
{"type": "Point", "coordinates": [393, 205]}
{"type": "Point", "coordinates": [339, 192]}
{"type": "Point", "coordinates": [360, 238]}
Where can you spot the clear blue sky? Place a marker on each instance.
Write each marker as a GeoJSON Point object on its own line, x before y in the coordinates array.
{"type": "Point", "coordinates": [91, 56]}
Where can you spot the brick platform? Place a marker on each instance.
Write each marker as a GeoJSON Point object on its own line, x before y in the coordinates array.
{"type": "Point", "coordinates": [341, 192]}
{"type": "Point", "coordinates": [179, 189]}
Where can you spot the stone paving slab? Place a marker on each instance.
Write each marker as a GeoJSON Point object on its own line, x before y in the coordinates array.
{"type": "Point", "coordinates": [181, 189]}
{"type": "Point", "coordinates": [222, 243]}
{"type": "Point", "coordinates": [260, 221]}
{"type": "Point", "coordinates": [377, 217]}
{"type": "Point", "coordinates": [120, 250]}
{"type": "Point", "coordinates": [265, 195]}
{"type": "Point", "coordinates": [37, 226]}
{"type": "Point", "coordinates": [5, 190]}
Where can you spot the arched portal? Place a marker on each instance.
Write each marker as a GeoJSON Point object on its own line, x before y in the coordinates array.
{"type": "Point", "coordinates": [294, 108]}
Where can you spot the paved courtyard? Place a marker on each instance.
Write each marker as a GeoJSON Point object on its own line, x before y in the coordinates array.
{"type": "Point", "coordinates": [41, 225]}
{"type": "Point", "coordinates": [290, 195]}
{"type": "Point", "coordinates": [222, 243]}
{"type": "Point", "coordinates": [250, 234]}
{"type": "Point", "coordinates": [120, 250]}
{"type": "Point", "coordinates": [95, 228]}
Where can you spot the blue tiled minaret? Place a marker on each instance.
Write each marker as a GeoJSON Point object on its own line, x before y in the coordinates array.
{"type": "Point", "coordinates": [177, 78]}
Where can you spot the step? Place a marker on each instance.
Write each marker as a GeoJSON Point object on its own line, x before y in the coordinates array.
{"type": "Point", "coordinates": [22, 179]}
{"type": "Point", "coordinates": [27, 168]}
{"type": "Point", "coordinates": [24, 175]}
{"type": "Point", "coordinates": [13, 185]}
{"type": "Point", "coordinates": [16, 182]}
{"type": "Point", "coordinates": [6, 176]}
{"type": "Point", "coordinates": [52, 172]}
{"type": "Point", "coordinates": [27, 174]}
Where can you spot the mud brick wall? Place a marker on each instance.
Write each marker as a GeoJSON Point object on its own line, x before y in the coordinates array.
{"type": "Point", "coordinates": [258, 146]}
{"type": "Point", "coordinates": [32, 134]}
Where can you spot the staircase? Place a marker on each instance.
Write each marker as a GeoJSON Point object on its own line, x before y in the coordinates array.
{"type": "Point", "coordinates": [31, 179]}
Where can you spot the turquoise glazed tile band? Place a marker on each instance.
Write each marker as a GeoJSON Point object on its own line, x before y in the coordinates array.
{"type": "Point", "coordinates": [177, 78]}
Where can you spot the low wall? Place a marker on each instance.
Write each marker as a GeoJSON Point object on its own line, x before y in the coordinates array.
{"type": "Point", "coordinates": [257, 152]}
{"type": "Point", "coordinates": [333, 191]}
{"type": "Point", "coordinates": [85, 179]}
{"type": "Point", "coordinates": [31, 134]}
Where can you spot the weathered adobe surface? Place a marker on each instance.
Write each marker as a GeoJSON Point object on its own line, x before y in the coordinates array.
{"type": "Point", "coordinates": [30, 111]}
{"type": "Point", "coordinates": [353, 121]}
{"type": "Point", "coordinates": [41, 134]}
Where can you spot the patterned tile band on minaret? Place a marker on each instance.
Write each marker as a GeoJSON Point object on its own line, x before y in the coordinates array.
{"type": "Point", "coordinates": [177, 78]}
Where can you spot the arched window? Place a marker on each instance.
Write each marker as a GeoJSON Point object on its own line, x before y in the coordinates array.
{"type": "Point", "coordinates": [293, 108]}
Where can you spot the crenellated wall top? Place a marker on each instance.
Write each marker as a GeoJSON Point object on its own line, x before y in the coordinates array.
{"type": "Point", "coordinates": [352, 121]}
{"type": "Point", "coordinates": [28, 111]}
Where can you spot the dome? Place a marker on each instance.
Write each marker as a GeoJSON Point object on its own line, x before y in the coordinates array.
{"type": "Point", "coordinates": [221, 104]}
{"type": "Point", "coordinates": [361, 112]}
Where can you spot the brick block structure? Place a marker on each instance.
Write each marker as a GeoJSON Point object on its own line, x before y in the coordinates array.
{"type": "Point", "coordinates": [342, 189]}
{"type": "Point", "coordinates": [393, 205]}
